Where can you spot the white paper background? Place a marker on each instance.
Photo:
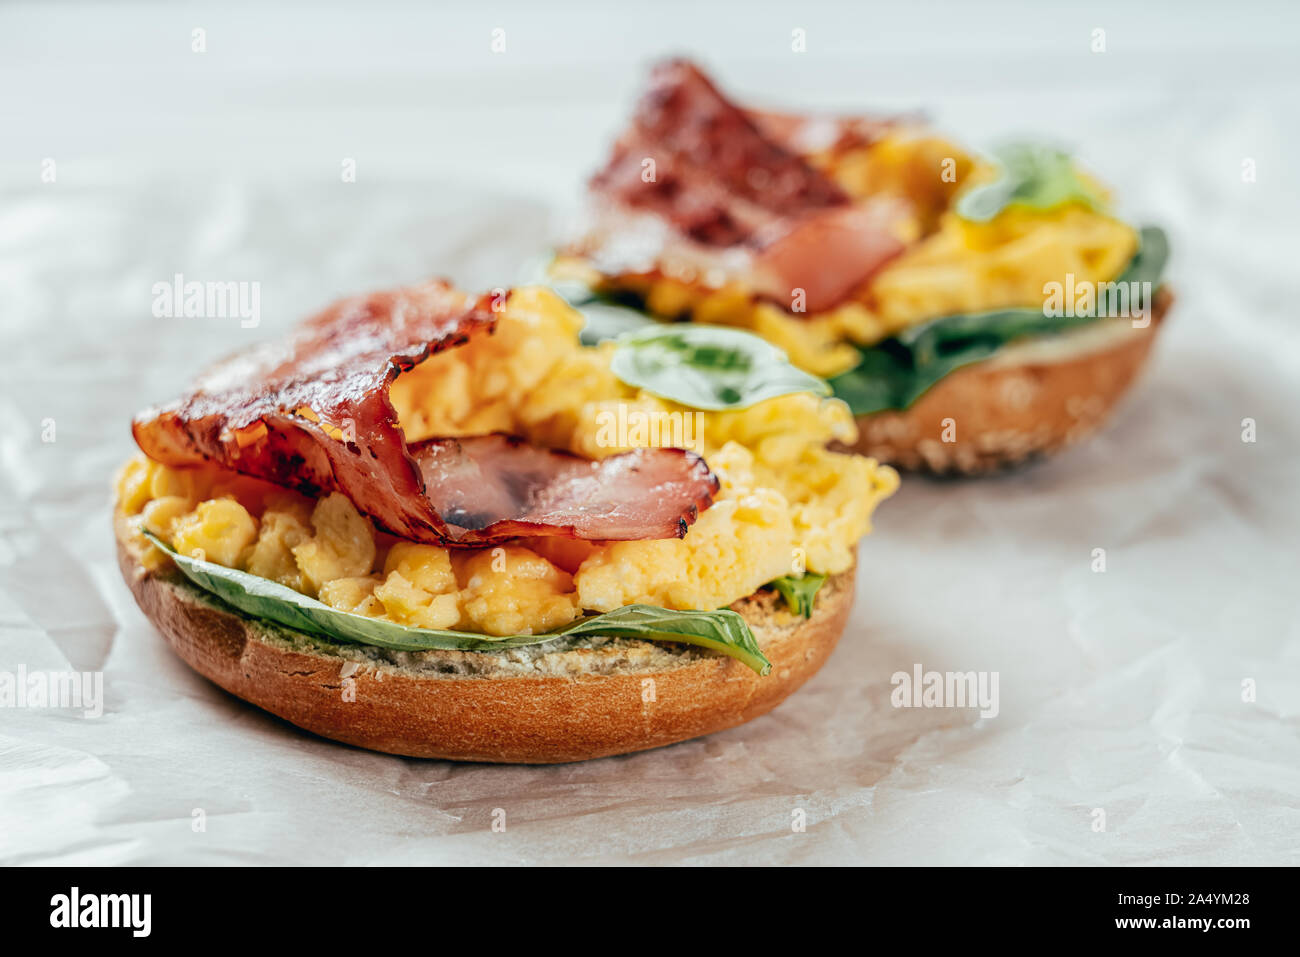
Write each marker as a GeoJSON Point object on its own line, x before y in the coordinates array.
{"type": "Point", "coordinates": [1119, 691]}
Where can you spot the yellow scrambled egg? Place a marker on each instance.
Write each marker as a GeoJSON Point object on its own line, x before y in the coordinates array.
{"type": "Point", "coordinates": [786, 502]}
{"type": "Point", "coordinates": [955, 267]}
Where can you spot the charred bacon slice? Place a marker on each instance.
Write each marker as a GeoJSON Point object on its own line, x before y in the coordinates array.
{"type": "Point", "coordinates": [724, 194]}
{"type": "Point", "coordinates": [313, 413]}
{"type": "Point", "coordinates": [716, 177]}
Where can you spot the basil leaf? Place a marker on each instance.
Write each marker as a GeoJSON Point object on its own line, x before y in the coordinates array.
{"type": "Point", "coordinates": [798, 592]}
{"type": "Point", "coordinates": [897, 371]}
{"type": "Point", "coordinates": [722, 631]}
{"type": "Point", "coordinates": [1152, 256]}
{"type": "Point", "coordinates": [708, 367]}
{"type": "Point", "coordinates": [1034, 176]}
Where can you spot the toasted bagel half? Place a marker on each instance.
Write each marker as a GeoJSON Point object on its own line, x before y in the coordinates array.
{"type": "Point", "coordinates": [561, 701]}
{"type": "Point", "coordinates": [1025, 401]}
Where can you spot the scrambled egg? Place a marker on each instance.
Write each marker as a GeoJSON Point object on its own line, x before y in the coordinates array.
{"type": "Point", "coordinates": [786, 504]}
{"type": "Point", "coordinates": [955, 267]}
{"type": "Point", "coordinates": [973, 267]}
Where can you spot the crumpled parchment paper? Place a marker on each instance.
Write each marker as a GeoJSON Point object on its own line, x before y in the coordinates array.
{"type": "Point", "coordinates": [1119, 692]}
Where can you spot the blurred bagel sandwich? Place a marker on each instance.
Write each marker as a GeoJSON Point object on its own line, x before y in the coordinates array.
{"type": "Point", "coordinates": [973, 312]}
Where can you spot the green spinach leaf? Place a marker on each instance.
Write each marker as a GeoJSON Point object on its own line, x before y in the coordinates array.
{"type": "Point", "coordinates": [723, 631]}
{"type": "Point", "coordinates": [897, 371]}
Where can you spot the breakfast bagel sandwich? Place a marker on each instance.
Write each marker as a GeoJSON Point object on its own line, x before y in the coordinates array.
{"type": "Point", "coordinates": [435, 524]}
{"type": "Point", "coordinates": [973, 312]}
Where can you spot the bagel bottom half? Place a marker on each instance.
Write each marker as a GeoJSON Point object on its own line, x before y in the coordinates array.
{"type": "Point", "coordinates": [540, 704]}
{"type": "Point", "coordinates": [1024, 402]}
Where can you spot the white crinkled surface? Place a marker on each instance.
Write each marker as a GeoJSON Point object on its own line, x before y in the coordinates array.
{"type": "Point", "coordinates": [1119, 691]}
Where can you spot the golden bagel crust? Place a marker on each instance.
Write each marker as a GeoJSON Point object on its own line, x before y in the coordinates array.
{"type": "Point", "coordinates": [605, 697]}
{"type": "Point", "coordinates": [1009, 410]}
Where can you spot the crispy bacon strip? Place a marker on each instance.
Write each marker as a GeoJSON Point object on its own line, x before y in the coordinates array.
{"type": "Point", "coordinates": [313, 413]}
{"type": "Point", "coordinates": [491, 487]}
{"type": "Point", "coordinates": [728, 199]}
